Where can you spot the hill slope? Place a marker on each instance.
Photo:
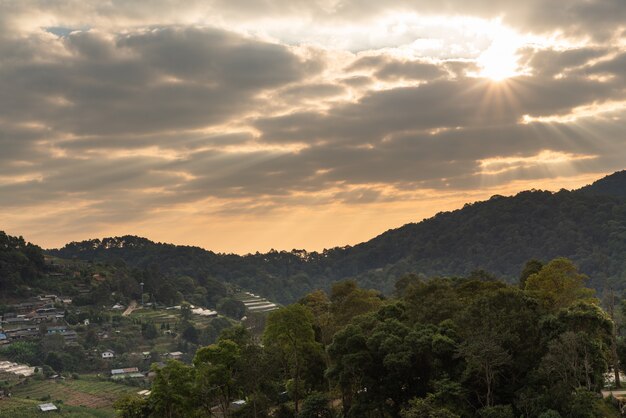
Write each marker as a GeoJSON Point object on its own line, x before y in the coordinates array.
{"type": "Point", "coordinates": [612, 185]}
{"type": "Point", "coordinates": [498, 235]}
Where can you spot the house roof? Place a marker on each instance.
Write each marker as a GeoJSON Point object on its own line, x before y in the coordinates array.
{"type": "Point", "coordinates": [47, 407]}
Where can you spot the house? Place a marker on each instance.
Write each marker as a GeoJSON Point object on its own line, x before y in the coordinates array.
{"type": "Point", "coordinates": [47, 407]}
{"type": "Point", "coordinates": [60, 329]}
{"type": "Point", "coordinates": [70, 336]}
{"type": "Point", "coordinates": [66, 300]}
{"type": "Point", "coordinates": [124, 371]}
{"type": "Point", "coordinates": [176, 355]}
{"type": "Point", "coordinates": [108, 354]}
{"type": "Point", "coordinates": [238, 404]}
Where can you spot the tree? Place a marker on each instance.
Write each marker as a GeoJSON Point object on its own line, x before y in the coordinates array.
{"type": "Point", "coordinates": [168, 294]}
{"type": "Point", "coordinates": [185, 311]}
{"type": "Point", "coordinates": [486, 358]}
{"type": "Point", "coordinates": [348, 301]}
{"type": "Point", "coordinates": [191, 334]}
{"type": "Point", "coordinates": [316, 406]}
{"type": "Point", "coordinates": [558, 285]}
{"type": "Point", "coordinates": [131, 406]}
{"type": "Point", "coordinates": [426, 408]}
{"type": "Point", "coordinates": [232, 308]}
{"type": "Point", "coordinates": [91, 338]}
{"type": "Point", "coordinates": [532, 267]}
{"type": "Point", "coordinates": [498, 411]}
{"type": "Point", "coordinates": [171, 395]}
{"type": "Point", "coordinates": [217, 370]}
{"type": "Point", "coordinates": [22, 352]}
{"type": "Point", "coordinates": [149, 331]}
{"type": "Point", "coordinates": [290, 330]}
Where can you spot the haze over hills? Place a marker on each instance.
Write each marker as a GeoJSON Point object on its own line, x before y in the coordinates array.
{"type": "Point", "coordinates": [498, 235]}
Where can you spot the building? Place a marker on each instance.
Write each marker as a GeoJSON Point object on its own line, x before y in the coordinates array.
{"type": "Point", "coordinates": [129, 372]}
{"type": "Point", "coordinates": [47, 407]}
{"type": "Point", "coordinates": [108, 354]}
{"type": "Point", "coordinates": [70, 336]}
{"type": "Point", "coordinates": [59, 329]}
{"type": "Point", "coordinates": [176, 355]}
{"type": "Point", "coordinates": [124, 371]}
{"type": "Point", "coordinates": [22, 332]}
{"type": "Point", "coordinates": [10, 370]}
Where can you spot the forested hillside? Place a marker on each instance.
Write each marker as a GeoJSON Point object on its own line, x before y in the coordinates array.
{"type": "Point", "coordinates": [442, 348]}
{"type": "Point", "coordinates": [498, 236]}
{"type": "Point", "coordinates": [21, 263]}
{"type": "Point", "coordinates": [613, 185]}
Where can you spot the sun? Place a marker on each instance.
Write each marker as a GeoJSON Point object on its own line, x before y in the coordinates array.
{"type": "Point", "coordinates": [499, 61]}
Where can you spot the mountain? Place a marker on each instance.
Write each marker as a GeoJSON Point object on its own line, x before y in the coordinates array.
{"type": "Point", "coordinates": [498, 235]}
{"type": "Point", "coordinates": [612, 185]}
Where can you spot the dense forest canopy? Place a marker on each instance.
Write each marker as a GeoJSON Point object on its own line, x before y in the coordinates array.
{"type": "Point", "coordinates": [21, 263]}
{"type": "Point", "coordinates": [499, 235]}
{"type": "Point", "coordinates": [441, 348]}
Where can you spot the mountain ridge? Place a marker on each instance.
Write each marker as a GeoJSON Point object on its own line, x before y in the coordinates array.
{"type": "Point", "coordinates": [498, 235]}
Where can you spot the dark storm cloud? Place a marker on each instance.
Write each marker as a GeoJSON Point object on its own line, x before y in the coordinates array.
{"type": "Point", "coordinates": [151, 81]}
{"type": "Point", "coordinates": [439, 104]}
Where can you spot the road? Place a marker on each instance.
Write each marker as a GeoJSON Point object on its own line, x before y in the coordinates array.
{"type": "Point", "coordinates": [130, 309]}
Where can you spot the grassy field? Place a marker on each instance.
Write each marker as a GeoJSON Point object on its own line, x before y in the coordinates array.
{"type": "Point", "coordinates": [84, 397]}
{"type": "Point", "coordinates": [26, 408]}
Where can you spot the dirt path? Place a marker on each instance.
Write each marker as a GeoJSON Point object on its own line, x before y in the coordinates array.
{"type": "Point", "coordinates": [130, 309]}
{"type": "Point", "coordinates": [615, 392]}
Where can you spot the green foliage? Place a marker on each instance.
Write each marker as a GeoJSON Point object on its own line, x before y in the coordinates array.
{"type": "Point", "coordinates": [21, 263]}
{"type": "Point", "coordinates": [131, 406]}
{"type": "Point", "coordinates": [217, 369]}
{"type": "Point", "coordinates": [498, 411]}
{"type": "Point", "coordinates": [172, 394]}
{"type": "Point", "coordinates": [191, 334]}
{"type": "Point", "coordinates": [232, 308]}
{"type": "Point", "coordinates": [550, 413]}
{"type": "Point", "coordinates": [149, 331]}
{"type": "Point", "coordinates": [559, 285]}
{"type": "Point", "coordinates": [185, 311]}
{"type": "Point", "coordinates": [426, 408]}
{"type": "Point", "coordinates": [316, 405]}
{"type": "Point", "coordinates": [290, 331]}
{"type": "Point", "coordinates": [22, 352]}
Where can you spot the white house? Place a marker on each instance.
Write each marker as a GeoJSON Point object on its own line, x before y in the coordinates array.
{"type": "Point", "coordinates": [47, 407]}
{"type": "Point", "coordinates": [176, 355]}
{"type": "Point", "coordinates": [108, 354]}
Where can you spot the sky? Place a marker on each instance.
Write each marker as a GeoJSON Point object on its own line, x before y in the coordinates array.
{"type": "Point", "coordinates": [241, 126]}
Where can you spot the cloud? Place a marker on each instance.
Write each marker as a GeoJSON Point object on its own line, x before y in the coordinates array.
{"type": "Point", "coordinates": [118, 114]}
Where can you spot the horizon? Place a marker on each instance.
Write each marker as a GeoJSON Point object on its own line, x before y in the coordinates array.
{"type": "Point", "coordinates": [273, 124]}
{"type": "Point", "coordinates": [308, 249]}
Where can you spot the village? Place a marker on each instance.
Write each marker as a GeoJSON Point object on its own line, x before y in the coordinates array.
{"type": "Point", "coordinates": [56, 354]}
